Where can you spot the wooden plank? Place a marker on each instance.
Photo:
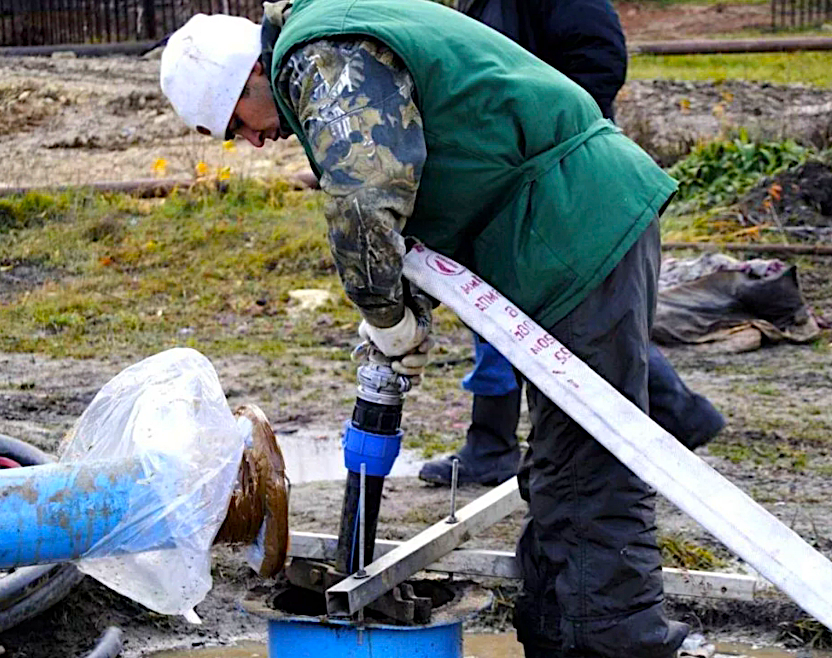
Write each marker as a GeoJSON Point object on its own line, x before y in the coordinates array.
{"type": "Point", "coordinates": [502, 564]}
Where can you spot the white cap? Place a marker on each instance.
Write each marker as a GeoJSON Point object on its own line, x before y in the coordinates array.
{"type": "Point", "coordinates": [205, 66]}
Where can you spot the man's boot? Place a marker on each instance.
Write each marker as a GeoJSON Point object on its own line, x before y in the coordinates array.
{"type": "Point", "coordinates": [688, 416]}
{"type": "Point", "coordinates": [491, 453]}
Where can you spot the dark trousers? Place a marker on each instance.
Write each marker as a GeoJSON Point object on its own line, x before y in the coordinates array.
{"type": "Point", "coordinates": [588, 554]}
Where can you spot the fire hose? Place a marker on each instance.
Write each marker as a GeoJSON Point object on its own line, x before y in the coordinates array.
{"type": "Point", "coordinates": [654, 455]}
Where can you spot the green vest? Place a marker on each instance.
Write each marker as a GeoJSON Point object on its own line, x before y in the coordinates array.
{"type": "Point", "coordinates": [525, 182]}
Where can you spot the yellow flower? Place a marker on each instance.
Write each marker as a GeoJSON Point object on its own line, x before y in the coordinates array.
{"type": "Point", "coordinates": [202, 169]}
{"type": "Point", "coordinates": [684, 104]}
{"type": "Point", "coordinates": [160, 165]}
{"type": "Point", "coordinates": [727, 96]}
{"type": "Point", "coordinates": [228, 145]}
{"type": "Point", "coordinates": [224, 173]}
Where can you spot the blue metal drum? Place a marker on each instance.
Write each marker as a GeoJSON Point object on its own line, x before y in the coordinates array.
{"type": "Point", "coordinates": [299, 627]}
{"type": "Point", "coordinates": [305, 637]}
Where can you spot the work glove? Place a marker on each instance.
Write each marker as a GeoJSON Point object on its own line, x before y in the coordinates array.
{"type": "Point", "coordinates": [407, 343]}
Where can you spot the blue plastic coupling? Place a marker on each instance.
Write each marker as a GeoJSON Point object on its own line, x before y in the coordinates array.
{"type": "Point", "coordinates": [377, 451]}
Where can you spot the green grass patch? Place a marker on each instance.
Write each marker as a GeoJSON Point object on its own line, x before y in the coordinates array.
{"type": "Point", "coordinates": [808, 68]}
{"type": "Point", "coordinates": [719, 171]}
{"type": "Point", "coordinates": [201, 268]}
{"type": "Point", "coordinates": [684, 554]}
{"type": "Point", "coordinates": [714, 176]}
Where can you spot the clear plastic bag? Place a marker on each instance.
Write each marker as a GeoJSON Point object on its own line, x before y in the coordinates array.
{"type": "Point", "coordinates": [169, 413]}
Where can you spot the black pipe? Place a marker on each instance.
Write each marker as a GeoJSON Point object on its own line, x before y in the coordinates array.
{"type": "Point", "coordinates": [347, 552]}
{"type": "Point", "coordinates": [80, 49]}
{"type": "Point", "coordinates": [711, 46]}
{"type": "Point", "coordinates": [381, 420]}
{"type": "Point", "coordinates": [56, 583]}
{"type": "Point", "coordinates": [24, 453]}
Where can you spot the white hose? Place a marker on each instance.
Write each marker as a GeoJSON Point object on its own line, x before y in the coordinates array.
{"type": "Point", "coordinates": [743, 525]}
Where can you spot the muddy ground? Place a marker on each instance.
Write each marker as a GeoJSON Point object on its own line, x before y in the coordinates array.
{"type": "Point", "coordinates": [65, 120]}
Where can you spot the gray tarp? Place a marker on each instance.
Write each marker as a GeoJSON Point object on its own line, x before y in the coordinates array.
{"type": "Point", "coordinates": [717, 298]}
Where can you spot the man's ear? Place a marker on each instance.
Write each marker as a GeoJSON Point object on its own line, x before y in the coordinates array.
{"type": "Point", "coordinates": [257, 69]}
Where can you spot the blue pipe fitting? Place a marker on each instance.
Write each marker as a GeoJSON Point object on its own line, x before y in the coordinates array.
{"type": "Point", "coordinates": [61, 511]}
{"type": "Point", "coordinates": [376, 451]}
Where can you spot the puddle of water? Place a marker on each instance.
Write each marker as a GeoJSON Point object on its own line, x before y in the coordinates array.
{"type": "Point", "coordinates": [482, 645]}
{"type": "Point", "coordinates": [312, 455]}
{"type": "Point", "coordinates": [491, 645]}
{"type": "Point", "coordinates": [242, 650]}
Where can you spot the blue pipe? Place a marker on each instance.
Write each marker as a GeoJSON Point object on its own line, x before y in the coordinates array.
{"type": "Point", "coordinates": [59, 512]}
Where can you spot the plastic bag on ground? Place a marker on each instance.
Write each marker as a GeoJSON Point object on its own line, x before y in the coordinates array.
{"type": "Point", "coordinates": [169, 413]}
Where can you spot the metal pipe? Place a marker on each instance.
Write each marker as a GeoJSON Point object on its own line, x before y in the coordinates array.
{"type": "Point", "coordinates": [362, 523]}
{"type": "Point", "coordinates": [145, 187]}
{"type": "Point", "coordinates": [757, 248]}
{"type": "Point", "coordinates": [80, 49]}
{"type": "Point", "coordinates": [680, 47]}
{"type": "Point", "coordinates": [711, 46]}
{"type": "Point", "coordinates": [454, 481]}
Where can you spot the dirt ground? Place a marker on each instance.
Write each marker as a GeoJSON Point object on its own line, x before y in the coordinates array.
{"type": "Point", "coordinates": [66, 120]}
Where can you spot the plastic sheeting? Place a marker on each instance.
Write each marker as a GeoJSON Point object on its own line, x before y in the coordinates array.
{"type": "Point", "coordinates": [716, 298]}
{"type": "Point", "coordinates": [170, 412]}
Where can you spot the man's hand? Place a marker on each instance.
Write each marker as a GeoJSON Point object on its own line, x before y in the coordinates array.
{"type": "Point", "coordinates": [407, 343]}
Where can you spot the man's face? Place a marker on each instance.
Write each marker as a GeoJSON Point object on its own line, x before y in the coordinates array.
{"type": "Point", "coordinates": [255, 116]}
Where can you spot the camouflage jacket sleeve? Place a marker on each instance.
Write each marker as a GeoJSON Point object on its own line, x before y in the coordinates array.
{"type": "Point", "coordinates": [355, 103]}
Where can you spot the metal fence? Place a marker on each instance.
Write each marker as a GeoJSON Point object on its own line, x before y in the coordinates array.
{"type": "Point", "coordinates": [787, 14]}
{"type": "Point", "coordinates": [53, 22]}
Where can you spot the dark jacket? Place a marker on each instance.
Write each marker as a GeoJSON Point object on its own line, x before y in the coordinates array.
{"type": "Point", "coordinates": [582, 39]}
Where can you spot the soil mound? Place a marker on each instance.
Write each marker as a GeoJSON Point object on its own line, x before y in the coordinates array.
{"type": "Point", "coordinates": [800, 197]}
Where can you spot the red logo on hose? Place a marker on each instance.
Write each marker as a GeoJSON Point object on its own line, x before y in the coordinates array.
{"type": "Point", "coordinates": [443, 265]}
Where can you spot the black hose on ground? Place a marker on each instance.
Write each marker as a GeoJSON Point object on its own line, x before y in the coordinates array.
{"type": "Point", "coordinates": [24, 453]}
{"type": "Point", "coordinates": [109, 645]}
{"type": "Point", "coordinates": [29, 591]}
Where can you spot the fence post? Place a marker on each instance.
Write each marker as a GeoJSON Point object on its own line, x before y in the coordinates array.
{"type": "Point", "coordinates": [150, 19]}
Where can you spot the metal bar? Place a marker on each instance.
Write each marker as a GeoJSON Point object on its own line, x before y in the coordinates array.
{"type": "Point", "coordinates": [401, 563]}
{"type": "Point", "coordinates": [502, 564]}
{"type": "Point", "coordinates": [743, 525]}
{"type": "Point", "coordinates": [362, 522]}
{"type": "Point", "coordinates": [454, 480]}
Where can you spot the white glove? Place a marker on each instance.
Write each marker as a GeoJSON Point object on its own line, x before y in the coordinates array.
{"type": "Point", "coordinates": [406, 344]}
{"type": "Point", "coordinates": [401, 338]}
